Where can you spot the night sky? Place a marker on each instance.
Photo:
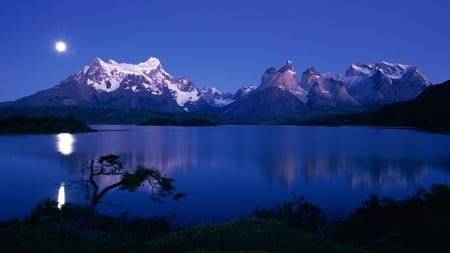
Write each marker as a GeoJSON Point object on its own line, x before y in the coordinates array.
{"type": "Point", "coordinates": [221, 43]}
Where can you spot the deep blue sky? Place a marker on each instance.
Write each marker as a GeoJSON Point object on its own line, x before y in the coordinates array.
{"type": "Point", "coordinates": [222, 43]}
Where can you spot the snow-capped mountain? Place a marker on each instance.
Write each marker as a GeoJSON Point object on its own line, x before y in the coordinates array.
{"type": "Point", "coordinates": [147, 85]}
{"type": "Point", "coordinates": [363, 86]}
{"type": "Point", "coordinates": [383, 82]}
{"type": "Point", "coordinates": [367, 85]}
{"type": "Point", "coordinates": [215, 97]}
{"type": "Point", "coordinates": [121, 85]}
{"type": "Point", "coordinates": [148, 76]}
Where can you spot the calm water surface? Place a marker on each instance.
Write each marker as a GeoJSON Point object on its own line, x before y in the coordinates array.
{"type": "Point", "coordinates": [228, 171]}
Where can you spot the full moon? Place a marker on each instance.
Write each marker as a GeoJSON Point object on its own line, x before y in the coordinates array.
{"type": "Point", "coordinates": [60, 46]}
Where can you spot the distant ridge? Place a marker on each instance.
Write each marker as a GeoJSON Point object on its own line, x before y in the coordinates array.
{"type": "Point", "coordinates": [147, 86]}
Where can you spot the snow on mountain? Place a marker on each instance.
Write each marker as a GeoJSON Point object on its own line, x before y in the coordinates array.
{"type": "Point", "coordinates": [367, 85]}
{"type": "Point", "coordinates": [184, 91]}
{"type": "Point", "coordinates": [384, 82]}
{"type": "Point", "coordinates": [148, 76]}
{"type": "Point", "coordinates": [147, 85]}
{"type": "Point", "coordinates": [107, 76]}
{"type": "Point", "coordinates": [357, 72]}
{"type": "Point", "coordinates": [215, 97]}
{"type": "Point", "coordinates": [244, 91]}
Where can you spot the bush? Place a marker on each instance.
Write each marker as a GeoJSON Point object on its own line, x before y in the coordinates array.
{"type": "Point", "coordinates": [80, 217]}
{"type": "Point", "coordinates": [419, 223]}
{"type": "Point", "coordinates": [298, 213]}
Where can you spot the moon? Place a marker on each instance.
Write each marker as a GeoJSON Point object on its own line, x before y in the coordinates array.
{"type": "Point", "coordinates": [60, 46]}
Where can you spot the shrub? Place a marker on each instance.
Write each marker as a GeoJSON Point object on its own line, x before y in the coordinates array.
{"type": "Point", "coordinates": [298, 213]}
{"type": "Point", "coordinates": [419, 223]}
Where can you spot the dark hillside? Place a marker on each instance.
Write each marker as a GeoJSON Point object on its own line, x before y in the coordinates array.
{"type": "Point", "coordinates": [429, 111]}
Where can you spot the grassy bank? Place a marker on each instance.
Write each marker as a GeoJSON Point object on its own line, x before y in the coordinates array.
{"type": "Point", "coordinates": [245, 235]}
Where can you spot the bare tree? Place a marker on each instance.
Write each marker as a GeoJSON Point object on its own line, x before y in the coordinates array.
{"type": "Point", "coordinates": [110, 166]}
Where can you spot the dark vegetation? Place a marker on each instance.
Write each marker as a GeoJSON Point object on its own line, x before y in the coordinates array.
{"type": "Point", "coordinates": [79, 228]}
{"type": "Point", "coordinates": [298, 213]}
{"type": "Point", "coordinates": [113, 116]}
{"type": "Point", "coordinates": [24, 124]}
{"type": "Point", "coordinates": [72, 230]}
{"type": "Point", "coordinates": [178, 122]}
{"type": "Point", "coordinates": [418, 223]}
{"type": "Point", "coordinates": [245, 235]}
{"type": "Point", "coordinates": [429, 111]}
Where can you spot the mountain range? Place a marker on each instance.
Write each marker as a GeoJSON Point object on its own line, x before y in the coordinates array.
{"type": "Point", "coordinates": [113, 85]}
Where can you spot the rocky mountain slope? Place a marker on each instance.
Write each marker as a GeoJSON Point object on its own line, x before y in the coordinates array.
{"type": "Point", "coordinates": [148, 86]}
{"type": "Point", "coordinates": [364, 87]}
{"type": "Point", "coordinates": [120, 85]}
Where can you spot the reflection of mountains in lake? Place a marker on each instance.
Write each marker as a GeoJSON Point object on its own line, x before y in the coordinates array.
{"type": "Point", "coordinates": [366, 157]}
{"type": "Point", "coordinates": [358, 171]}
{"type": "Point", "coordinates": [366, 171]}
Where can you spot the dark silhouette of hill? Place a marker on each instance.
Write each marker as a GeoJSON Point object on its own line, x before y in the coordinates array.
{"type": "Point", "coordinates": [23, 124]}
{"type": "Point", "coordinates": [429, 111]}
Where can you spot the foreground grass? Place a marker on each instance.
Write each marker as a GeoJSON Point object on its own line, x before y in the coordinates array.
{"type": "Point", "coordinates": [245, 235]}
{"type": "Point", "coordinates": [55, 238]}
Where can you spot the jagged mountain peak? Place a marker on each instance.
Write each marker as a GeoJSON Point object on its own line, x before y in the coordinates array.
{"type": "Point", "coordinates": [111, 75]}
{"type": "Point", "coordinates": [311, 71]}
{"type": "Point", "coordinates": [112, 66]}
{"type": "Point", "coordinates": [309, 77]}
{"type": "Point", "coordinates": [151, 62]}
{"type": "Point", "coordinates": [391, 70]}
{"type": "Point", "coordinates": [283, 78]}
{"type": "Point", "coordinates": [214, 97]}
{"type": "Point", "coordinates": [324, 90]}
{"type": "Point", "coordinates": [384, 82]}
{"type": "Point", "coordinates": [287, 67]}
{"type": "Point", "coordinates": [244, 91]}
{"type": "Point", "coordinates": [134, 82]}
{"type": "Point", "coordinates": [110, 84]}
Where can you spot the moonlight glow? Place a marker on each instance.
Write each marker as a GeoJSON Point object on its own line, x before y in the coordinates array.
{"type": "Point", "coordinates": [60, 46]}
{"type": "Point", "coordinates": [61, 196]}
{"type": "Point", "coordinates": [64, 142]}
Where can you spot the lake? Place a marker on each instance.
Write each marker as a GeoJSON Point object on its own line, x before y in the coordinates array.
{"type": "Point", "coordinates": [227, 171]}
